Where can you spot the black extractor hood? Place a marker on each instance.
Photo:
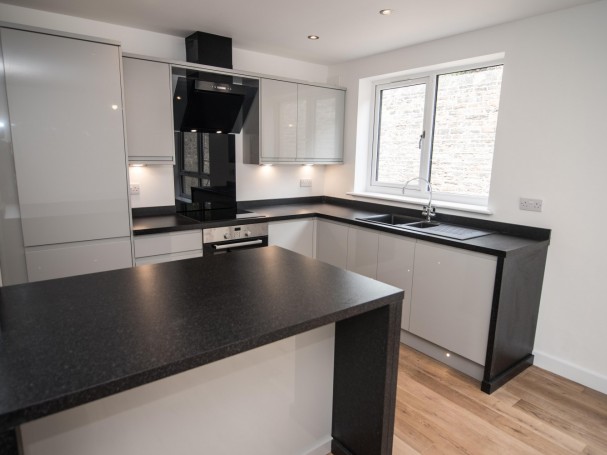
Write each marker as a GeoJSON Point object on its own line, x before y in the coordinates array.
{"type": "Point", "coordinates": [210, 102]}
{"type": "Point", "coordinates": [206, 101]}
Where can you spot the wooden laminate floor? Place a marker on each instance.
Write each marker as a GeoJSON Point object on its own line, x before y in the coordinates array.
{"type": "Point", "coordinates": [440, 411]}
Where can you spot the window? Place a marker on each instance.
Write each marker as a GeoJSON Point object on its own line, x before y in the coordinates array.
{"type": "Point", "coordinates": [439, 127]}
{"type": "Point", "coordinates": [193, 166]}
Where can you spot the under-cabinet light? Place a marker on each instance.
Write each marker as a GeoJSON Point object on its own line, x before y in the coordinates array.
{"type": "Point", "coordinates": [313, 37]}
{"type": "Point", "coordinates": [136, 164]}
{"type": "Point", "coordinates": [385, 12]}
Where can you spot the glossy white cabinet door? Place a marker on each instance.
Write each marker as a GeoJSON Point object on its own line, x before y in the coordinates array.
{"type": "Point", "coordinates": [168, 257]}
{"type": "Point", "coordinates": [320, 123]}
{"type": "Point", "coordinates": [65, 103]}
{"type": "Point", "coordinates": [395, 266]}
{"type": "Point", "coordinates": [294, 235]}
{"type": "Point", "coordinates": [149, 113]}
{"type": "Point", "coordinates": [332, 243]}
{"type": "Point", "coordinates": [362, 251]}
{"type": "Point", "coordinates": [69, 259]}
{"type": "Point", "coordinates": [278, 121]}
{"type": "Point", "coordinates": [452, 296]}
{"type": "Point", "coordinates": [168, 243]}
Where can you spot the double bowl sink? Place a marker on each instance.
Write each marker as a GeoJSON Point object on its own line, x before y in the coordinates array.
{"type": "Point", "coordinates": [410, 223]}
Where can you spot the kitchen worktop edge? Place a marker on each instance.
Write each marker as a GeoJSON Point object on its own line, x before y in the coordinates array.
{"type": "Point", "coordinates": [515, 240]}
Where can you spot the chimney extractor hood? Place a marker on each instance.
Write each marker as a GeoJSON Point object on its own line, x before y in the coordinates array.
{"type": "Point", "coordinates": [211, 103]}
{"type": "Point", "coordinates": [209, 49]}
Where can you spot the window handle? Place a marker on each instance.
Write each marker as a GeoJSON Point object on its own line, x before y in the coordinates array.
{"type": "Point", "coordinates": [421, 138]}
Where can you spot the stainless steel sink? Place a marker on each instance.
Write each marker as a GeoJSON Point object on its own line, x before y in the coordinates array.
{"type": "Point", "coordinates": [422, 224]}
{"type": "Point", "coordinates": [410, 223]}
{"type": "Point", "coordinates": [391, 219]}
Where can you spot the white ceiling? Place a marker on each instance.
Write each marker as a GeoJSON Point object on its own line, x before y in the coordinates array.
{"type": "Point", "coordinates": [348, 29]}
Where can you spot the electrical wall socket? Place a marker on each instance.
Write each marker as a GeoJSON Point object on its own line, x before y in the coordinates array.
{"type": "Point", "coordinates": [533, 205]}
{"type": "Point", "coordinates": [305, 182]}
{"type": "Point", "coordinates": [134, 189]}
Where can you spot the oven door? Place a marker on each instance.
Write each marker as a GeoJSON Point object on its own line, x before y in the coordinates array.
{"type": "Point", "coordinates": [209, 249]}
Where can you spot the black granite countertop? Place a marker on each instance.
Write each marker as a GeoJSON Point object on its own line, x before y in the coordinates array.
{"type": "Point", "coordinates": [69, 341]}
{"type": "Point", "coordinates": [508, 239]}
{"type": "Point", "coordinates": [158, 224]}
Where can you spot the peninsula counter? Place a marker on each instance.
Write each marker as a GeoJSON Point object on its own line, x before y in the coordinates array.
{"type": "Point", "coordinates": [70, 341]}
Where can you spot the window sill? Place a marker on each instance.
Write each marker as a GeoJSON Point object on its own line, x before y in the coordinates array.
{"type": "Point", "coordinates": [418, 201]}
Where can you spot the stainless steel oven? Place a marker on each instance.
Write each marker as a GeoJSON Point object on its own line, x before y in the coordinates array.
{"type": "Point", "coordinates": [232, 238]}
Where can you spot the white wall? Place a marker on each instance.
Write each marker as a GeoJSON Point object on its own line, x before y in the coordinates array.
{"type": "Point", "coordinates": [156, 185]}
{"type": "Point", "coordinates": [253, 182]}
{"type": "Point", "coordinates": [550, 145]}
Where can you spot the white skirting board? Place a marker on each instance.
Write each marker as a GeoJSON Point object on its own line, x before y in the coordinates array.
{"type": "Point", "coordinates": [571, 371]}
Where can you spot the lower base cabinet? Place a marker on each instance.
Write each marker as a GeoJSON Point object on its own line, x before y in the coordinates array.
{"type": "Point", "coordinates": [69, 259]}
{"type": "Point", "coordinates": [332, 243]}
{"type": "Point", "coordinates": [294, 235]}
{"type": "Point", "coordinates": [448, 291]}
{"type": "Point", "coordinates": [452, 297]}
{"type": "Point", "coordinates": [170, 246]}
{"type": "Point", "coordinates": [395, 258]}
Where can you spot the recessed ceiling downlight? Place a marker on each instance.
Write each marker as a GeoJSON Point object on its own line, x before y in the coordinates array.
{"type": "Point", "coordinates": [385, 12]}
{"type": "Point", "coordinates": [313, 37]}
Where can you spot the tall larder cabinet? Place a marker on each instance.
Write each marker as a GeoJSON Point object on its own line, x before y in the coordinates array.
{"type": "Point", "coordinates": [65, 105]}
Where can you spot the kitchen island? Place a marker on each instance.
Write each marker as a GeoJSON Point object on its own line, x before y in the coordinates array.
{"type": "Point", "coordinates": [70, 341]}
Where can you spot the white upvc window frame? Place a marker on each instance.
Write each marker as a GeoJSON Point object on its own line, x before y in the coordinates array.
{"type": "Point", "coordinates": [418, 189]}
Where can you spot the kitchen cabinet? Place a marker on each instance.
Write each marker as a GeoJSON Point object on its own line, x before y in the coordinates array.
{"type": "Point", "coordinates": [362, 251]}
{"type": "Point", "coordinates": [171, 246]}
{"type": "Point", "coordinates": [68, 259]}
{"type": "Point", "coordinates": [294, 235]}
{"type": "Point", "coordinates": [300, 123]}
{"type": "Point", "coordinates": [452, 297]}
{"type": "Point", "coordinates": [387, 258]}
{"type": "Point", "coordinates": [65, 101]}
{"type": "Point", "coordinates": [320, 124]}
{"type": "Point", "coordinates": [332, 243]}
{"type": "Point", "coordinates": [395, 258]}
{"type": "Point", "coordinates": [278, 121]}
{"type": "Point", "coordinates": [148, 111]}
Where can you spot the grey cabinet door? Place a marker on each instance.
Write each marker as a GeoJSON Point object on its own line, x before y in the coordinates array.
{"type": "Point", "coordinates": [294, 235]}
{"type": "Point", "coordinates": [149, 113]}
{"type": "Point", "coordinates": [362, 251]}
{"type": "Point", "coordinates": [278, 121]}
{"type": "Point", "coordinates": [395, 266]}
{"type": "Point", "coordinates": [332, 243]}
{"type": "Point", "coordinates": [65, 103]}
{"type": "Point", "coordinates": [320, 124]}
{"type": "Point", "coordinates": [452, 296]}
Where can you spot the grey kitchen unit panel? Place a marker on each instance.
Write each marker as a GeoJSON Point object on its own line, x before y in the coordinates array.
{"type": "Point", "coordinates": [59, 261]}
{"type": "Point", "coordinates": [65, 101]}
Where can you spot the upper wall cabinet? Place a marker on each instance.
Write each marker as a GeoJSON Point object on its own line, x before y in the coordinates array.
{"type": "Point", "coordinates": [300, 124]}
{"type": "Point", "coordinates": [149, 115]}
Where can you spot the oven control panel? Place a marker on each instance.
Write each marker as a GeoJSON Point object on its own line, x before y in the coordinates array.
{"type": "Point", "coordinates": [221, 234]}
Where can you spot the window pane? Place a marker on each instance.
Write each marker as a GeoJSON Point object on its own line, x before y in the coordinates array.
{"type": "Point", "coordinates": [188, 183]}
{"type": "Point", "coordinates": [467, 104]}
{"type": "Point", "coordinates": [190, 152]}
{"type": "Point", "coordinates": [401, 125]}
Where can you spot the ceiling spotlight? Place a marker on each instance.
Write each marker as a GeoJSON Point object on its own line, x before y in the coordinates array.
{"type": "Point", "coordinates": [313, 37]}
{"type": "Point", "coordinates": [385, 12]}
